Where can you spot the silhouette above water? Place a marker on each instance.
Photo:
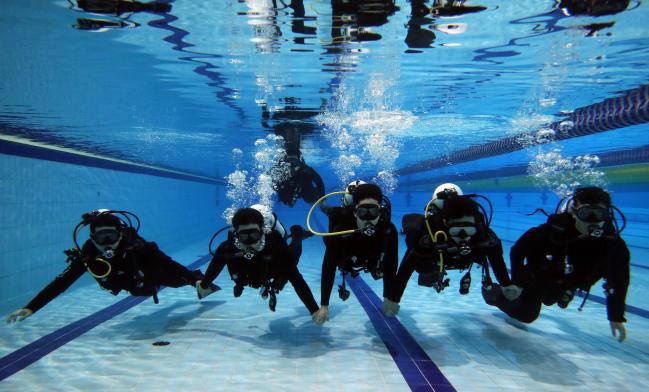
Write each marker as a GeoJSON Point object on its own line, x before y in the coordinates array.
{"type": "Point", "coordinates": [117, 8]}
{"type": "Point", "coordinates": [422, 16]}
{"type": "Point", "coordinates": [352, 20]}
{"type": "Point", "coordinates": [593, 7]}
{"type": "Point", "coordinates": [548, 22]}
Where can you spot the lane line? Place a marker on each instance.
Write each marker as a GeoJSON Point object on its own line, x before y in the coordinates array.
{"type": "Point", "coordinates": [18, 360]}
{"type": "Point", "coordinates": [11, 145]}
{"type": "Point", "coordinates": [419, 371]}
{"type": "Point", "coordinates": [416, 367]}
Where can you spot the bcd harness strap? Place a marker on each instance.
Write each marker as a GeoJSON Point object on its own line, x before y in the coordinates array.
{"type": "Point", "coordinates": [267, 288]}
{"type": "Point", "coordinates": [355, 269]}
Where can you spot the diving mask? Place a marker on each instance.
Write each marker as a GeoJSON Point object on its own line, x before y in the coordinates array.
{"type": "Point", "coordinates": [462, 230]}
{"type": "Point", "coordinates": [249, 236]}
{"type": "Point", "coordinates": [106, 236]}
{"type": "Point", "coordinates": [591, 213]}
{"type": "Point", "coordinates": [368, 212]}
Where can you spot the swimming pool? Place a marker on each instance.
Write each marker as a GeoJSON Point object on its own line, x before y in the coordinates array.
{"type": "Point", "coordinates": [177, 112]}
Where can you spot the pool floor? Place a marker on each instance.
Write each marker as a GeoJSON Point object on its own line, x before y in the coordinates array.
{"type": "Point", "coordinates": [227, 344]}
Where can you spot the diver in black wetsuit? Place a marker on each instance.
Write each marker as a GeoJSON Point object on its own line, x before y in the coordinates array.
{"type": "Point", "coordinates": [571, 251]}
{"type": "Point", "coordinates": [259, 259]}
{"type": "Point", "coordinates": [119, 259]}
{"type": "Point", "coordinates": [454, 238]}
{"type": "Point", "coordinates": [370, 246]}
{"type": "Point", "coordinates": [292, 178]}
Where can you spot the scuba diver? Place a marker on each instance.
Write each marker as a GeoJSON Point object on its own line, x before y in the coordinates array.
{"type": "Point", "coordinates": [119, 259]}
{"type": "Point", "coordinates": [361, 238]}
{"type": "Point", "coordinates": [292, 178]}
{"type": "Point", "coordinates": [574, 249]}
{"type": "Point", "coordinates": [453, 234]}
{"type": "Point", "coordinates": [257, 256]}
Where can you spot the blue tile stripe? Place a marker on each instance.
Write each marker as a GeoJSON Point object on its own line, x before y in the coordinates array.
{"type": "Point", "coordinates": [31, 151]}
{"type": "Point", "coordinates": [417, 368]}
{"type": "Point", "coordinates": [419, 371]}
{"type": "Point", "coordinates": [18, 360]}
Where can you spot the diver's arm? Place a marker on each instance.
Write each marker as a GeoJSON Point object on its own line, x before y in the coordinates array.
{"type": "Point", "coordinates": [617, 280]}
{"type": "Point", "coordinates": [216, 266]}
{"type": "Point", "coordinates": [61, 283]}
{"type": "Point", "coordinates": [497, 262]}
{"type": "Point", "coordinates": [406, 269]}
{"type": "Point", "coordinates": [297, 280]}
{"type": "Point", "coordinates": [328, 273]}
{"type": "Point", "coordinates": [390, 264]}
{"type": "Point", "coordinates": [519, 251]}
{"type": "Point", "coordinates": [153, 254]}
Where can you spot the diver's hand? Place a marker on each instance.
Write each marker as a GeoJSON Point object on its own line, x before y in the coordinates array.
{"type": "Point", "coordinates": [618, 327]}
{"type": "Point", "coordinates": [321, 315]}
{"type": "Point", "coordinates": [390, 308]}
{"type": "Point", "coordinates": [511, 292]}
{"type": "Point", "coordinates": [201, 291]}
{"type": "Point", "coordinates": [19, 315]}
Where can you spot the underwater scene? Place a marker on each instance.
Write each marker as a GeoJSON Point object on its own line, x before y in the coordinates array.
{"type": "Point", "coordinates": [324, 195]}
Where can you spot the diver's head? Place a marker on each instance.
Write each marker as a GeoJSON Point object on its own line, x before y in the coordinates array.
{"type": "Point", "coordinates": [348, 198]}
{"type": "Point", "coordinates": [590, 207]}
{"type": "Point", "coordinates": [462, 219]}
{"type": "Point", "coordinates": [248, 225]}
{"type": "Point", "coordinates": [445, 192]}
{"type": "Point", "coordinates": [367, 207]}
{"type": "Point", "coordinates": [106, 233]}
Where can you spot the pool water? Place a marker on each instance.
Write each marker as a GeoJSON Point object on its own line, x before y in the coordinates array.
{"type": "Point", "coordinates": [180, 112]}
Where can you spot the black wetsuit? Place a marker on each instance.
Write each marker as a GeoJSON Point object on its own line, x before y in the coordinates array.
{"type": "Point", "coordinates": [138, 267]}
{"type": "Point", "coordinates": [357, 250]}
{"type": "Point", "coordinates": [306, 184]}
{"type": "Point", "coordinates": [560, 259]}
{"type": "Point", "coordinates": [421, 256]}
{"type": "Point", "coordinates": [268, 268]}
